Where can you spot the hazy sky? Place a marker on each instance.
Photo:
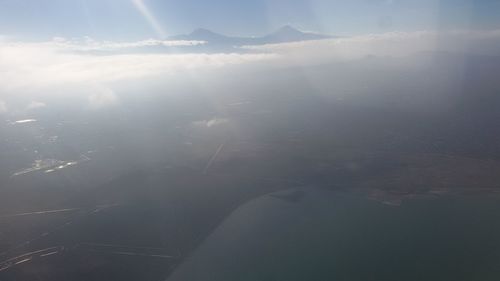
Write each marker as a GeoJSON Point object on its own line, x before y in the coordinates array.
{"type": "Point", "coordinates": [133, 19]}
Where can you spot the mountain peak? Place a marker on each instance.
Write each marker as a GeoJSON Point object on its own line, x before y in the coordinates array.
{"type": "Point", "coordinates": [202, 32]}
{"type": "Point", "coordinates": [288, 28]}
{"type": "Point", "coordinates": [288, 33]}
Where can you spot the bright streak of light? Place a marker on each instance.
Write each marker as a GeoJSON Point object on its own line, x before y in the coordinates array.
{"type": "Point", "coordinates": [146, 13]}
{"type": "Point", "coordinates": [49, 254]}
{"type": "Point", "coordinates": [132, 254]}
{"type": "Point", "coordinates": [24, 121]}
{"type": "Point", "coordinates": [212, 160]}
{"type": "Point", "coordinates": [40, 213]}
{"type": "Point", "coordinates": [23, 261]}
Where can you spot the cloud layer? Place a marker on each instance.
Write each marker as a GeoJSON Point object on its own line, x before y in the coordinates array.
{"type": "Point", "coordinates": [35, 105]}
{"type": "Point", "coordinates": [31, 67]}
{"type": "Point", "coordinates": [63, 65]}
{"type": "Point", "coordinates": [89, 44]}
{"type": "Point", "coordinates": [3, 107]}
{"type": "Point", "coordinates": [393, 44]}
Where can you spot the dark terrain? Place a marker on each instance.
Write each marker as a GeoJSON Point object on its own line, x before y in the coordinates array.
{"type": "Point", "coordinates": [156, 176]}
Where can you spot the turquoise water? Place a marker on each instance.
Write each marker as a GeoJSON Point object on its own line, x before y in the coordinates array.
{"type": "Point", "coordinates": [338, 236]}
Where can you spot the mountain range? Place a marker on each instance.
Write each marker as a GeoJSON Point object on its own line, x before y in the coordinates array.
{"type": "Point", "coordinates": [283, 35]}
{"type": "Point", "coordinates": [219, 43]}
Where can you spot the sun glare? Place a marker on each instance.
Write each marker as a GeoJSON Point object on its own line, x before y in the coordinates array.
{"type": "Point", "coordinates": [146, 13]}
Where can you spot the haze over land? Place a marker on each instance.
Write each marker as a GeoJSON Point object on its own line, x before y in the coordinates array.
{"type": "Point", "coordinates": [275, 156]}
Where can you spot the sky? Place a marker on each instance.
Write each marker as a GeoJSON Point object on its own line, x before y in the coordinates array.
{"type": "Point", "coordinates": [139, 19]}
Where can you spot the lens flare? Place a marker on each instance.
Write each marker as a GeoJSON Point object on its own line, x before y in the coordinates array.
{"type": "Point", "coordinates": [148, 15]}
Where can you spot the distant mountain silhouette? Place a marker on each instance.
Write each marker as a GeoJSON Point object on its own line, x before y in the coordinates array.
{"type": "Point", "coordinates": [282, 35]}
{"type": "Point", "coordinates": [290, 34]}
{"type": "Point", "coordinates": [202, 34]}
{"type": "Point", "coordinates": [219, 43]}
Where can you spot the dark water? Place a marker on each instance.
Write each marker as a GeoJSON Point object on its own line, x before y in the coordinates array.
{"type": "Point", "coordinates": [336, 236]}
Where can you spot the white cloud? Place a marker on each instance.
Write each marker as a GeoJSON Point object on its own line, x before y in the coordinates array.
{"type": "Point", "coordinates": [212, 122]}
{"type": "Point", "coordinates": [39, 67]}
{"type": "Point", "coordinates": [35, 105]}
{"type": "Point", "coordinates": [102, 97]}
{"type": "Point", "coordinates": [3, 107]}
{"type": "Point", "coordinates": [393, 44]}
{"type": "Point", "coordinates": [63, 65]}
{"type": "Point", "coordinates": [89, 44]}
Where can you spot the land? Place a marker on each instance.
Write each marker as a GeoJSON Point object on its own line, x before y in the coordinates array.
{"type": "Point", "coordinates": [151, 179]}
